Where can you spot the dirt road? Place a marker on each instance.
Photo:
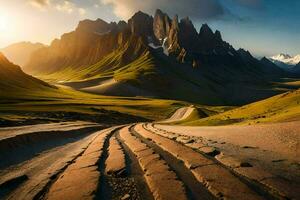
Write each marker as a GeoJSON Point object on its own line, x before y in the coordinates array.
{"type": "Point", "coordinates": [150, 161]}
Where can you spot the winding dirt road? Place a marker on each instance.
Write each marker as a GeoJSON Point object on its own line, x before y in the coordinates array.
{"type": "Point", "coordinates": [149, 161]}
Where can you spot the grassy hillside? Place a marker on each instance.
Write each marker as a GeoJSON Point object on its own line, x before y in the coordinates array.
{"type": "Point", "coordinates": [13, 80]}
{"type": "Point", "coordinates": [67, 104]}
{"type": "Point", "coordinates": [283, 107]}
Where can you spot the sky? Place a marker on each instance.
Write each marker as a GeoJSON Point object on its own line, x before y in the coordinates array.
{"type": "Point", "coordinates": [264, 27]}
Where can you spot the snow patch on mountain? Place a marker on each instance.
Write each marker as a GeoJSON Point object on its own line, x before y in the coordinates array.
{"type": "Point", "coordinates": [286, 59]}
{"type": "Point", "coordinates": [163, 46]}
{"type": "Point", "coordinates": [166, 51]}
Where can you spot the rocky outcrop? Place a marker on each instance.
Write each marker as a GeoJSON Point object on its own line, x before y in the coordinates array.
{"type": "Point", "coordinates": [187, 34]}
{"type": "Point", "coordinates": [161, 25]}
{"type": "Point", "coordinates": [141, 25]}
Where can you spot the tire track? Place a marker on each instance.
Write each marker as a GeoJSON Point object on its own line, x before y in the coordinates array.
{"type": "Point", "coordinates": [135, 172]}
{"type": "Point", "coordinates": [162, 181]}
{"type": "Point", "coordinates": [194, 188]}
{"type": "Point", "coordinates": [218, 180]}
{"type": "Point", "coordinates": [252, 176]}
{"type": "Point", "coordinates": [68, 183]}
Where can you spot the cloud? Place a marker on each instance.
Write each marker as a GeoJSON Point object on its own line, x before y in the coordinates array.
{"type": "Point", "coordinates": [197, 9]}
{"type": "Point", "coordinates": [66, 6]}
{"type": "Point", "coordinates": [82, 11]}
{"type": "Point", "coordinates": [41, 4]}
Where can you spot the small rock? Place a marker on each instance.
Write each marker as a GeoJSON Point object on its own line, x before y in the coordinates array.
{"type": "Point", "coordinates": [279, 160]}
{"type": "Point", "coordinates": [193, 166]}
{"type": "Point", "coordinates": [211, 151]}
{"type": "Point", "coordinates": [249, 147]}
{"type": "Point", "coordinates": [245, 164]}
{"type": "Point", "coordinates": [125, 197]}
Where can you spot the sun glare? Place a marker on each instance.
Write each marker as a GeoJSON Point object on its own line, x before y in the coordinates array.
{"type": "Point", "coordinates": [3, 23]}
{"type": "Point", "coordinates": [6, 28]}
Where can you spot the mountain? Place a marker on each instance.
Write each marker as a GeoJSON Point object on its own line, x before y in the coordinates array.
{"type": "Point", "coordinates": [269, 66]}
{"type": "Point", "coordinates": [285, 61]}
{"type": "Point", "coordinates": [158, 57]}
{"type": "Point", "coordinates": [14, 81]}
{"type": "Point", "coordinates": [19, 53]}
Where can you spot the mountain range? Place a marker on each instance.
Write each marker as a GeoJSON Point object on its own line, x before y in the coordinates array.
{"type": "Point", "coordinates": [19, 53]}
{"type": "Point", "coordinates": [156, 57]}
{"type": "Point", "coordinates": [287, 59]}
{"type": "Point", "coordinates": [287, 62]}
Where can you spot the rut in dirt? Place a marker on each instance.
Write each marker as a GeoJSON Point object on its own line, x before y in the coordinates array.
{"type": "Point", "coordinates": [129, 184]}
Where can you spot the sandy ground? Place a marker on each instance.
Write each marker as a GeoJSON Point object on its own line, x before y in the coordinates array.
{"type": "Point", "coordinates": [282, 138]}
{"type": "Point", "coordinates": [19, 130]}
{"type": "Point", "coordinates": [274, 147]}
{"type": "Point", "coordinates": [40, 169]}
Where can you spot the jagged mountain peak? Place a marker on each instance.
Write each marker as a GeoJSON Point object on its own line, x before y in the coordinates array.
{"type": "Point", "coordinates": [87, 25]}
{"type": "Point", "coordinates": [286, 59]}
{"type": "Point", "coordinates": [139, 15]}
{"type": "Point", "coordinates": [265, 59]}
{"type": "Point", "coordinates": [205, 30]}
{"type": "Point", "coordinates": [159, 12]}
{"type": "Point", "coordinates": [188, 24]}
{"type": "Point", "coordinates": [282, 56]}
{"type": "Point", "coordinates": [161, 25]}
{"type": "Point", "coordinates": [140, 24]}
{"type": "Point", "coordinates": [245, 54]}
{"type": "Point", "coordinates": [218, 35]}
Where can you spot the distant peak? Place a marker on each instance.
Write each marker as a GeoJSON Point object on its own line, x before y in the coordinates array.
{"type": "Point", "coordinates": [98, 20]}
{"type": "Point", "coordinates": [187, 21]}
{"type": "Point", "coordinates": [159, 12]}
{"type": "Point", "coordinates": [140, 13]}
{"type": "Point", "coordinates": [205, 29]}
{"type": "Point", "coordinates": [97, 25]}
{"type": "Point", "coordinates": [141, 24]}
{"type": "Point", "coordinates": [286, 58]}
{"type": "Point", "coordinates": [281, 56]}
{"type": "Point", "coordinates": [266, 60]}
{"type": "Point", "coordinates": [244, 53]}
{"type": "Point", "coordinates": [218, 35]}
